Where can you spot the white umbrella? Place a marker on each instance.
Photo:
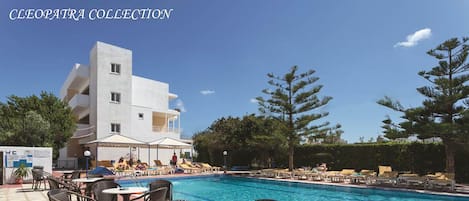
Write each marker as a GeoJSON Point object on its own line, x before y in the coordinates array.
{"type": "Point", "coordinates": [116, 140]}
{"type": "Point", "coordinates": [169, 143]}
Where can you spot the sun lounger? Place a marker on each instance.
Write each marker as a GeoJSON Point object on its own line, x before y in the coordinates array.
{"type": "Point", "coordinates": [441, 181]}
{"type": "Point", "coordinates": [208, 167]}
{"type": "Point", "coordinates": [189, 169]}
{"type": "Point", "coordinates": [412, 181]}
{"type": "Point", "coordinates": [334, 176]}
{"type": "Point", "coordinates": [385, 176]}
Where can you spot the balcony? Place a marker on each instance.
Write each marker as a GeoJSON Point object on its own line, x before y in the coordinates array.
{"type": "Point", "coordinates": [161, 129]}
{"type": "Point", "coordinates": [79, 103]}
{"type": "Point", "coordinates": [77, 79]}
{"type": "Point", "coordinates": [83, 130]}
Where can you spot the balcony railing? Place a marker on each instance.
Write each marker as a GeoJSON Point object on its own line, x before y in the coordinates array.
{"type": "Point", "coordinates": [79, 100]}
{"type": "Point", "coordinates": [161, 129]}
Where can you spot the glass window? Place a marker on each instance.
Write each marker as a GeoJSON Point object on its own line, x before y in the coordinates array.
{"type": "Point", "coordinates": [115, 128]}
{"type": "Point", "coordinates": [116, 68]}
{"type": "Point", "coordinates": [115, 97]}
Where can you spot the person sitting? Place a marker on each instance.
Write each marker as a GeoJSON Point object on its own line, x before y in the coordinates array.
{"type": "Point", "coordinates": [320, 168]}
{"type": "Point", "coordinates": [121, 164]}
{"type": "Point", "coordinates": [140, 165]}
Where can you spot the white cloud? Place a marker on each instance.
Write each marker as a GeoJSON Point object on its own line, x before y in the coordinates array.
{"type": "Point", "coordinates": [414, 38]}
{"type": "Point", "coordinates": [180, 105]}
{"type": "Point", "coordinates": [253, 100]}
{"type": "Point", "coordinates": [207, 92]}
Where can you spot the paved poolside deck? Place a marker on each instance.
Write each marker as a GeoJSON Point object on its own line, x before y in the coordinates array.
{"type": "Point", "coordinates": [24, 192]}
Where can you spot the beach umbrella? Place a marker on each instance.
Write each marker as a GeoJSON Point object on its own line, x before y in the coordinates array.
{"type": "Point", "coordinates": [169, 143]}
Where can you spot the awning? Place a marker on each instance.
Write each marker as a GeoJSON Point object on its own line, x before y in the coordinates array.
{"type": "Point", "coordinates": [170, 143]}
{"type": "Point", "coordinates": [117, 139]}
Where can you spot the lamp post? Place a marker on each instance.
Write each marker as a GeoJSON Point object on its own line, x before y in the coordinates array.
{"type": "Point", "coordinates": [225, 153]}
{"type": "Point", "coordinates": [87, 155]}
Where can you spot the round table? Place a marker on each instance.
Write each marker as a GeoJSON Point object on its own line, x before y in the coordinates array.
{"type": "Point", "coordinates": [88, 182]}
{"type": "Point", "coordinates": [125, 192]}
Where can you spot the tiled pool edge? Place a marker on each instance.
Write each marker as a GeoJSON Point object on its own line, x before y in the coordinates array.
{"type": "Point", "coordinates": [359, 186]}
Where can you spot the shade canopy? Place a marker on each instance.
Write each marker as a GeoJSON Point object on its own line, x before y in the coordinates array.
{"type": "Point", "coordinates": [170, 143]}
{"type": "Point", "coordinates": [117, 139]}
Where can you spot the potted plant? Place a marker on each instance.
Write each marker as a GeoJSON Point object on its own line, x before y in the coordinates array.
{"type": "Point", "coordinates": [21, 172]}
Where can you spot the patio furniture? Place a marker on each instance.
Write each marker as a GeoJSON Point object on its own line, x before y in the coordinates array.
{"type": "Point", "coordinates": [56, 183]}
{"type": "Point", "coordinates": [385, 176]}
{"type": "Point", "coordinates": [125, 192]}
{"type": "Point", "coordinates": [210, 168]}
{"type": "Point", "coordinates": [65, 195]}
{"type": "Point", "coordinates": [412, 181]}
{"type": "Point", "coordinates": [189, 169]}
{"type": "Point", "coordinates": [441, 181]}
{"type": "Point", "coordinates": [38, 178]}
{"type": "Point", "coordinates": [99, 186]}
{"type": "Point", "coordinates": [163, 183]}
{"type": "Point", "coordinates": [158, 194]}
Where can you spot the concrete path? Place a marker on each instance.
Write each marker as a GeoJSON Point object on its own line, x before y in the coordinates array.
{"type": "Point", "coordinates": [22, 193]}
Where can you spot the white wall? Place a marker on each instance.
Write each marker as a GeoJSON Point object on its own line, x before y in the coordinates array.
{"type": "Point", "coordinates": [107, 82]}
{"type": "Point", "coordinates": [150, 93]}
{"type": "Point", "coordinates": [41, 156]}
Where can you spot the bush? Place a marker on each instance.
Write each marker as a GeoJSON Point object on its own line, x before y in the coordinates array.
{"type": "Point", "coordinates": [416, 157]}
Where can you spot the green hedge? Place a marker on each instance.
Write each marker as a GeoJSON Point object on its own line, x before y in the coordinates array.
{"type": "Point", "coordinates": [416, 157]}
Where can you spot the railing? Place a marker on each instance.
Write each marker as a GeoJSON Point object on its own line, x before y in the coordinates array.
{"type": "Point", "coordinates": [161, 129]}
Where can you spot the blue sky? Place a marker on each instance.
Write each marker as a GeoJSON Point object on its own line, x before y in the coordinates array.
{"type": "Point", "coordinates": [228, 47]}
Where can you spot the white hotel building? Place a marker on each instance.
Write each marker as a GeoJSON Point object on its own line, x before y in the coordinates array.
{"type": "Point", "coordinates": [108, 100]}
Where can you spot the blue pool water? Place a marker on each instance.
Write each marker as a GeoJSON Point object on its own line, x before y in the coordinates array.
{"type": "Point", "coordinates": [227, 188]}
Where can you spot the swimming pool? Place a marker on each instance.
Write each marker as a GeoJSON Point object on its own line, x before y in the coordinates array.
{"type": "Point", "coordinates": [228, 188]}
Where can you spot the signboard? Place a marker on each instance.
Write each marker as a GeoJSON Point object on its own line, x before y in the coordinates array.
{"type": "Point", "coordinates": [13, 159]}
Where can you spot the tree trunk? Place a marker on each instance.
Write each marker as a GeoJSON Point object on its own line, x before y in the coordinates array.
{"type": "Point", "coordinates": [291, 151]}
{"type": "Point", "coordinates": [449, 149]}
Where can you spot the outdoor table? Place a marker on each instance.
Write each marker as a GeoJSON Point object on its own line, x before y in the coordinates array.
{"type": "Point", "coordinates": [125, 192]}
{"type": "Point", "coordinates": [66, 173]}
{"type": "Point", "coordinates": [88, 182]}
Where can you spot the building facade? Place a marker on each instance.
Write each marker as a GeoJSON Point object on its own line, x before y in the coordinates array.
{"type": "Point", "coordinates": [108, 99]}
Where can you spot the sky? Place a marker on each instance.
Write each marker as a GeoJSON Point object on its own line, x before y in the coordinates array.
{"type": "Point", "coordinates": [215, 55]}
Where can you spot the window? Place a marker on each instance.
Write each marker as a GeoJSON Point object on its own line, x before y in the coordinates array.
{"type": "Point", "coordinates": [115, 128]}
{"type": "Point", "coordinates": [115, 97]}
{"type": "Point", "coordinates": [116, 68]}
{"type": "Point", "coordinates": [140, 115]}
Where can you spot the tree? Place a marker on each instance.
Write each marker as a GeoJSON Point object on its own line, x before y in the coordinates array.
{"type": "Point", "coordinates": [444, 112]}
{"type": "Point", "coordinates": [247, 140]}
{"type": "Point", "coordinates": [292, 102]}
{"type": "Point", "coordinates": [36, 121]}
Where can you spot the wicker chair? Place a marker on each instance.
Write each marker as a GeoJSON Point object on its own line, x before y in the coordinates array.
{"type": "Point", "coordinates": [38, 178]}
{"type": "Point", "coordinates": [158, 194]}
{"type": "Point", "coordinates": [65, 195]}
{"type": "Point", "coordinates": [57, 184]}
{"type": "Point", "coordinates": [99, 186]}
{"type": "Point", "coordinates": [163, 183]}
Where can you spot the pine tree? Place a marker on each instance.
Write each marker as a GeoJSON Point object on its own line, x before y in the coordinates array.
{"type": "Point", "coordinates": [444, 112]}
{"type": "Point", "coordinates": [292, 101]}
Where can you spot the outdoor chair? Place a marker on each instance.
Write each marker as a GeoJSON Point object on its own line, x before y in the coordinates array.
{"type": "Point", "coordinates": [162, 169]}
{"type": "Point", "coordinates": [189, 169]}
{"type": "Point", "coordinates": [99, 186]}
{"type": "Point", "coordinates": [75, 175]}
{"type": "Point", "coordinates": [38, 178]}
{"type": "Point", "coordinates": [410, 180]}
{"type": "Point", "coordinates": [65, 195]}
{"type": "Point", "coordinates": [210, 168]}
{"type": "Point", "coordinates": [158, 194]}
{"type": "Point", "coordinates": [441, 181]}
{"type": "Point", "coordinates": [348, 174]}
{"type": "Point", "coordinates": [334, 176]}
{"type": "Point", "coordinates": [55, 183]}
{"type": "Point", "coordinates": [163, 183]}
{"type": "Point", "coordinates": [385, 176]}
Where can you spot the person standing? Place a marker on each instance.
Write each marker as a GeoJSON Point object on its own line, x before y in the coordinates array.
{"type": "Point", "coordinates": [174, 160]}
